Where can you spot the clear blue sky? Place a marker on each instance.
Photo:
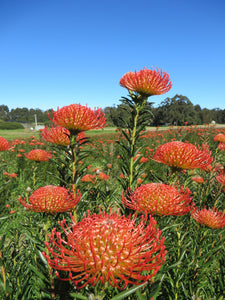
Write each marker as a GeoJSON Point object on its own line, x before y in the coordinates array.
{"type": "Point", "coordinates": [58, 52]}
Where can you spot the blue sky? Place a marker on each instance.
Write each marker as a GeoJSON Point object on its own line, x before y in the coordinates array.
{"type": "Point", "coordinates": [58, 52]}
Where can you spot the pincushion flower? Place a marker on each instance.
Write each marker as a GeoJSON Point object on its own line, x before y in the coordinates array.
{"type": "Point", "coordinates": [212, 217]}
{"type": "Point", "coordinates": [38, 155]}
{"type": "Point", "coordinates": [180, 155]}
{"type": "Point", "coordinates": [221, 178]}
{"type": "Point", "coordinates": [219, 138]}
{"type": "Point", "coordinates": [147, 82]}
{"type": "Point", "coordinates": [51, 199]}
{"type": "Point", "coordinates": [159, 199]}
{"type": "Point", "coordinates": [4, 144]}
{"type": "Point", "coordinates": [77, 118]}
{"type": "Point", "coordinates": [107, 248]}
{"type": "Point", "coordinates": [56, 135]}
{"type": "Point", "coordinates": [221, 146]}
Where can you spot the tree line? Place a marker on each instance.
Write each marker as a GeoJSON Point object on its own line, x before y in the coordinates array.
{"type": "Point", "coordinates": [178, 110]}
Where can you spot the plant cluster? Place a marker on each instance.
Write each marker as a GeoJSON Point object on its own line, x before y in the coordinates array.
{"type": "Point", "coordinates": [133, 215]}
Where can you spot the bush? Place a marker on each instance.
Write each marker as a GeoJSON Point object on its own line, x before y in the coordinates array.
{"type": "Point", "coordinates": [11, 125]}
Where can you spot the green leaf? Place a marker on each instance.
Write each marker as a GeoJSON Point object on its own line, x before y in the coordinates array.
{"type": "Point", "coordinates": [128, 292]}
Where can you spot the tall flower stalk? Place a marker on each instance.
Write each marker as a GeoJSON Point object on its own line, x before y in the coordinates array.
{"type": "Point", "coordinates": [140, 85]}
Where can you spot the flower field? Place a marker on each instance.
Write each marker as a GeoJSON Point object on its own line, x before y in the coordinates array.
{"type": "Point", "coordinates": [134, 214]}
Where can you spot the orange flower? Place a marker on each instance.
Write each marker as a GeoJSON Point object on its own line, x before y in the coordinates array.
{"type": "Point", "coordinates": [221, 146]}
{"type": "Point", "coordinates": [159, 199]}
{"type": "Point", "coordinates": [56, 135]}
{"type": "Point", "coordinates": [221, 179]}
{"type": "Point", "coordinates": [103, 176]}
{"type": "Point", "coordinates": [88, 178]}
{"type": "Point", "coordinates": [198, 179]}
{"type": "Point", "coordinates": [147, 82]}
{"type": "Point", "coordinates": [38, 155]}
{"type": "Point", "coordinates": [13, 175]}
{"type": "Point", "coordinates": [107, 248]}
{"type": "Point", "coordinates": [77, 118]}
{"type": "Point", "coordinates": [51, 199]}
{"type": "Point", "coordinates": [212, 218]}
{"type": "Point", "coordinates": [4, 144]}
{"type": "Point", "coordinates": [179, 155]}
{"type": "Point", "coordinates": [219, 138]}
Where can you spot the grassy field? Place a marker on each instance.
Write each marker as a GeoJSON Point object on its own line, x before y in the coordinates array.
{"type": "Point", "coordinates": [26, 133]}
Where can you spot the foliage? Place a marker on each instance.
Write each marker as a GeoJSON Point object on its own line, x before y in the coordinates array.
{"type": "Point", "coordinates": [10, 125]}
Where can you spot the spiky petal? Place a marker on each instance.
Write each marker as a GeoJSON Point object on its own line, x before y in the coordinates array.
{"type": "Point", "coordinates": [107, 248]}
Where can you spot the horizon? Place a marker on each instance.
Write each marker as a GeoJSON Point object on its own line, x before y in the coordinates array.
{"type": "Point", "coordinates": [57, 53]}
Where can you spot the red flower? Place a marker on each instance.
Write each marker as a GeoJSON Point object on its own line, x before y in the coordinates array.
{"type": "Point", "coordinates": [219, 138]}
{"type": "Point", "coordinates": [107, 248]}
{"type": "Point", "coordinates": [77, 118]}
{"type": "Point", "coordinates": [198, 179]}
{"type": "Point", "coordinates": [4, 144]}
{"type": "Point", "coordinates": [88, 178]}
{"type": "Point", "coordinates": [147, 82]}
{"type": "Point", "coordinates": [103, 176]}
{"type": "Point", "coordinates": [159, 199]}
{"type": "Point", "coordinates": [51, 199]}
{"type": "Point", "coordinates": [212, 218]}
{"type": "Point", "coordinates": [221, 179]}
{"type": "Point", "coordinates": [179, 155]}
{"type": "Point", "coordinates": [221, 146]}
{"type": "Point", "coordinates": [38, 155]}
{"type": "Point", "coordinates": [13, 175]}
{"type": "Point", "coordinates": [56, 135]}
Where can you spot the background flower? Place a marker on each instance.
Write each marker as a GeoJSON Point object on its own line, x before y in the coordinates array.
{"type": "Point", "coordinates": [51, 199]}
{"type": "Point", "coordinates": [56, 135]}
{"type": "Point", "coordinates": [38, 155]}
{"type": "Point", "coordinates": [159, 199]}
{"type": "Point", "coordinates": [212, 218]}
{"type": "Point", "coordinates": [4, 144]}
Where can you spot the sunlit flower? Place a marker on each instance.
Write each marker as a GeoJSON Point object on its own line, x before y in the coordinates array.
{"type": "Point", "coordinates": [221, 179]}
{"type": "Point", "coordinates": [56, 135]}
{"type": "Point", "coordinates": [107, 248]}
{"type": "Point", "coordinates": [77, 118]}
{"type": "Point", "coordinates": [212, 218]}
{"type": "Point", "coordinates": [221, 146]}
{"type": "Point", "coordinates": [198, 179]}
{"type": "Point", "coordinates": [51, 199]}
{"type": "Point", "coordinates": [179, 155]}
{"type": "Point", "coordinates": [88, 178]}
{"type": "Point", "coordinates": [103, 176]}
{"type": "Point", "coordinates": [159, 199]}
{"type": "Point", "coordinates": [13, 175]}
{"type": "Point", "coordinates": [147, 82]}
{"type": "Point", "coordinates": [4, 144]}
{"type": "Point", "coordinates": [38, 155]}
{"type": "Point", "coordinates": [219, 138]}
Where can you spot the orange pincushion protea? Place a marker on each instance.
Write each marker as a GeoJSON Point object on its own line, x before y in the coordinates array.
{"type": "Point", "coordinates": [212, 218]}
{"type": "Point", "coordinates": [51, 199]}
{"type": "Point", "coordinates": [38, 155]}
{"type": "Point", "coordinates": [77, 118]}
{"type": "Point", "coordinates": [159, 199]}
{"type": "Point", "coordinates": [147, 82]}
{"type": "Point", "coordinates": [4, 144]}
{"type": "Point", "coordinates": [221, 179]}
{"type": "Point", "coordinates": [107, 248]}
{"type": "Point", "coordinates": [221, 146]}
{"type": "Point", "coordinates": [179, 155]}
{"type": "Point", "coordinates": [219, 138]}
{"type": "Point", "coordinates": [56, 135]}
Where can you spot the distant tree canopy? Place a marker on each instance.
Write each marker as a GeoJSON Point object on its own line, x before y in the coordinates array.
{"type": "Point", "coordinates": [171, 111]}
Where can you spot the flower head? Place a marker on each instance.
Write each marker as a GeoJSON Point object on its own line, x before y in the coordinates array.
{"type": "Point", "coordinates": [212, 218]}
{"type": "Point", "coordinates": [38, 155]}
{"type": "Point", "coordinates": [51, 199]}
{"type": "Point", "coordinates": [107, 248]}
{"type": "Point", "coordinates": [77, 118]}
{"type": "Point", "coordinates": [13, 175]}
{"type": "Point", "coordinates": [159, 199]}
{"type": "Point", "coordinates": [179, 155]}
{"type": "Point", "coordinates": [221, 178]}
{"type": "Point", "coordinates": [198, 179]}
{"type": "Point", "coordinates": [221, 146]}
{"type": "Point", "coordinates": [56, 135]}
{"type": "Point", "coordinates": [4, 144]}
{"type": "Point", "coordinates": [219, 138]}
{"type": "Point", "coordinates": [147, 82]}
